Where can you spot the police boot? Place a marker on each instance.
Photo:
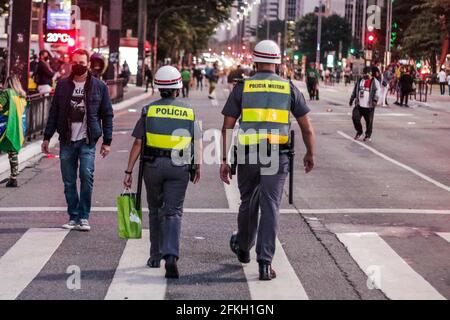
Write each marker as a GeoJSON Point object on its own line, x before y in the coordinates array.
{"type": "Point", "coordinates": [171, 267]}
{"type": "Point", "coordinates": [266, 272]}
{"type": "Point", "coordinates": [153, 263]}
{"type": "Point", "coordinates": [12, 183]}
{"type": "Point", "coordinates": [243, 256]}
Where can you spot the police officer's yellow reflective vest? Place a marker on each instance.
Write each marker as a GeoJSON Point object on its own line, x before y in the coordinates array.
{"type": "Point", "coordinates": [266, 103]}
{"type": "Point", "coordinates": [169, 125]}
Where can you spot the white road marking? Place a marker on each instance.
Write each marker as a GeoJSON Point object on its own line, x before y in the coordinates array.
{"type": "Point", "coordinates": [26, 258]}
{"type": "Point", "coordinates": [236, 209]}
{"type": "Point", "coordinates": [417, 173]}
{"type": "Point", "coordinates": [349, 114]}
{"type": "Point", "coordinates": [444, 235]}
{"type": "Point", "coordinates": [286, 286]}
{"type": "Point", "coordinates": [133, 279]}
{"type": "Point", "coordinates": [233, 198]}
{"type": "Point", "coordinates": [388, 271]}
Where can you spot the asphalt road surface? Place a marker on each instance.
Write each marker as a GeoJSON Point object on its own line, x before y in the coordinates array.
{"type": "Point", "coordinates": [372, 221]}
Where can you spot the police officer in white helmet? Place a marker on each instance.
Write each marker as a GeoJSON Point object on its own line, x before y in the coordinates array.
{"type": "Point", "coordinates": [172, 138]}
{"type": "Point", "coordinates": [263, 104]}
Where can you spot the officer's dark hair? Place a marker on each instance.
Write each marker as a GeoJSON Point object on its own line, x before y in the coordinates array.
{"type": "Point", "coordinates": [167, 93]}
{"type": "Point", "coordinates": [367, 70]}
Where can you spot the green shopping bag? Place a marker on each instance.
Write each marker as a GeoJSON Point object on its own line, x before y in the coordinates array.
{"type": "Point", "coordinates": [129, 220]}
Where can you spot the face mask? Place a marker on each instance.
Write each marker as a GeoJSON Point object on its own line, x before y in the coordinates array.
{"type": "Point", "coordinates": [78, 69]}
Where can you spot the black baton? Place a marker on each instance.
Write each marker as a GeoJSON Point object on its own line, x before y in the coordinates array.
{"type": "Point", "coordinates": [140, 178]}
{"type": "Point", "coordinates": [291, 167]}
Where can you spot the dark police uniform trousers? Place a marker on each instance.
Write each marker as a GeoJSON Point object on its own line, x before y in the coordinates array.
{"type": "Point", "coordinates": [166, 186]}
{"type": "Point", "coordinates": [270, 189]}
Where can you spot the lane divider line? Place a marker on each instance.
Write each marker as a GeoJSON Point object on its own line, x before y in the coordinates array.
{"type": "Point", "coordinates": [408, 168]}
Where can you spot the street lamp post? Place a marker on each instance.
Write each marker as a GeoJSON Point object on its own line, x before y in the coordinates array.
{"type": "Point", "coordinates": [155, 28]}
{"type": "Point", "coordinates": [142, 28]}
{"type": "Point", "coordinates": [319, 35]}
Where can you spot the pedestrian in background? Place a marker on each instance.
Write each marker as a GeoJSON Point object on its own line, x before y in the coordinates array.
{"type": "Point", "coordinates": [167, 157]}
{"type": "Point", "coordinates": [448, 81]}
{"type": "Point", "coordinates": [312, 82]}
{"type": "Point", "coordinates": [81, 113]}
{"type": "Point", "coordinates": [12, 124]}
{"type": "Point", "coordinates": [198, 75]}
{"type": "Point", "coordinates": [44, 73]}
{"type": "Point", "coordinates": [388, 76]}
{"type": "Point", "coordinates": [213, 77]}
{"type": "Point", "coordinates": [66, 68]}
{"type": "Point", "coordinates": [149, 79]}
{"type": "Point", "coordinates": [406, 87]}
{"type": "Point", "coordinates": [442, 77]}
{"type": "Point", "coordinates": [366, 95]}
{"type": "Point", "coordinates": [186, 77]}
{"type": "Point", "coordinates": [125, 73]}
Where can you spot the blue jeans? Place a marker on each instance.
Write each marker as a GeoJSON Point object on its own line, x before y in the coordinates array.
{"type": "Point", "coordinates": [78, 206]}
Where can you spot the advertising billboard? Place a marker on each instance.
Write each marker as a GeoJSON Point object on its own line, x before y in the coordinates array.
{"type": "Point", "coordinates": [59, 15]}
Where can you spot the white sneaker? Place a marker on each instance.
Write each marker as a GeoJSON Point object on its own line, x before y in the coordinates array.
{"type": "Point", "coordinates": [72, 224]}
{"type": "Point", "coordinates": [84, 225]}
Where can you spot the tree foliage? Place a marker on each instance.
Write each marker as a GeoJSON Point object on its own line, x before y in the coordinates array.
{"type": "Point", "coordinates": [184, 25]}
{"type": "Point", "coordinates": [335, 30]}
{"type": "Point", "coordinates": [419, 32]}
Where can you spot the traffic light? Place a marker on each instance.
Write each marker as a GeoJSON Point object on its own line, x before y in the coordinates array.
{"type": "Point", "coordinates": [352, 51]}
{"type": "Point", "coordinates": [371, 39]}
{"type": "Point", "coordinates": [419, 64]}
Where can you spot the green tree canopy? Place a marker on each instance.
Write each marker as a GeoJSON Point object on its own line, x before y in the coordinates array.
{"type": "Point", "coordinates": [335, 30]}
{"type": "Point", "coordinates": [187, 25]}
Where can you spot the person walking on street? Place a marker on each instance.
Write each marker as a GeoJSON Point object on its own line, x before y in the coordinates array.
{"type": "Point", "coordinates": [263, 104]}
{"type": "Point", "coordinates": [12, 124]}
{"type": "Point", "coordinates": [44, 73]}
{"type": "Point", "coordinates": [149, 79]}
{"type": "Point", "coordinates": [81, 113]}
{"type": "Point", "coordinates": [388, 76]}
{"type": "Point", "coordinates": [198, 75]}
{"type": "Point", "coordinates": [442, 77]}
{"type": "Point", "coordinates": [366, 95]}
{"type": "Point", "coordinates": [66, 68]}
{"type": "Point", "coordinates": [406, 87]}
{"type": "Point", "coordinates": [312, 82]}
{"type": "Point", "coordinates": [170, 133]}
{"type": "Point", "coordinates": [213, 77]}
{"type": "Point", "coordinates": [186, 77]}
{"type": "Point", "coordinates": [448, 81]}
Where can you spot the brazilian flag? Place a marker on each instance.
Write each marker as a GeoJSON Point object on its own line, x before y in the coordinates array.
{"type": "Point", "coordinates": [12, 121]}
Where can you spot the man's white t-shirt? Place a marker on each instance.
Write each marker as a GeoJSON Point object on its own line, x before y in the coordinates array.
{"type": "Point", "coordinates": [448, 79]}
{"type": "Point", "coordinates": [364, 92]}
{"type": "Point", "coordinates": [442, 77]}
{"type": "Point", "coordinates": [78, 113]}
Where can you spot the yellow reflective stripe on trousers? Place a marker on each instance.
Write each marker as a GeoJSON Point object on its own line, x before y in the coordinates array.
{"type": "Point", "coordinates": [167, 142]}
{"type": "Point", "coordinates": [171, 112]}
{"type": "Point", "coordinates": [267, 86]}
{"type": "Point", "coordinates": [254, 138]}
{"type": "Point", "coordinates": [265, 115]}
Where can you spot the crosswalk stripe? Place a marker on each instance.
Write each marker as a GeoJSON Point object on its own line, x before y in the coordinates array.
{"type": "Point", "coordinates": [133, 279]}
{"type": "Point", "coordinates": [444, 235]}
{"type": "Point", "coordinates": [286, 286]}
{"type": "Point", "coordinates": [385, 269]}
{"type": "Point", "coordinates": [25, 259]}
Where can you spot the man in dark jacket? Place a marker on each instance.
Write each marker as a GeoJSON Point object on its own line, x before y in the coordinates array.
{"type": "Point", "coordinates": [81, 113]}
{"type": "Point", "coordinates": [43, 76]}
{"type": "Point", "coordinates": [406, 87]}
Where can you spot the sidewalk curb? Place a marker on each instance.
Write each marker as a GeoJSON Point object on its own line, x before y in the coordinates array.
{"type": "Point", "coordinates": [29, 154]}
{"type": "Point", "coordinates": [32, 152]}
{"type": "Point", "coordinates": [129, 102]}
